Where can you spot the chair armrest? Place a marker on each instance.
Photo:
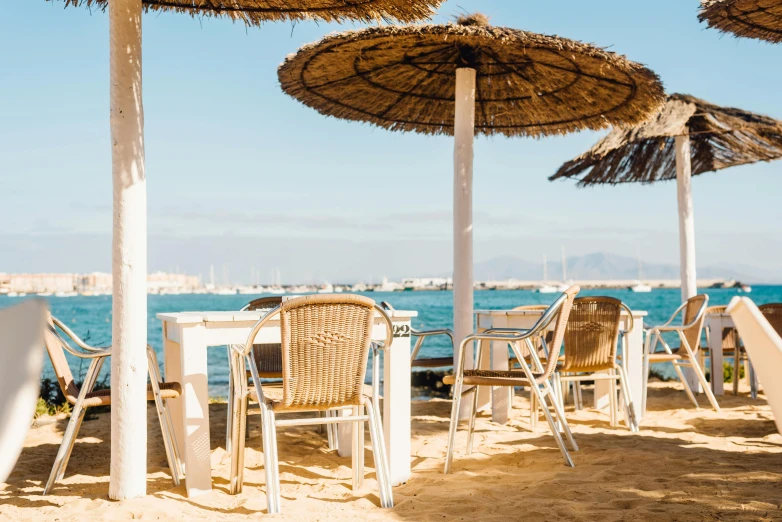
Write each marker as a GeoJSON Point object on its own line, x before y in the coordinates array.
{"type": "Point", "coordinates": [423, 334]}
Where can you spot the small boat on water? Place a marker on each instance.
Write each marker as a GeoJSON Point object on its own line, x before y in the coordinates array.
{"type": "Point", "coordinates": [639, 286]}
{"type": "Point", "coordinates": [546, 288]}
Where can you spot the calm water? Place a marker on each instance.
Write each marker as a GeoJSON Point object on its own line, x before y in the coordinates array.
{"type": "Point", "coordinates": [90, 317]}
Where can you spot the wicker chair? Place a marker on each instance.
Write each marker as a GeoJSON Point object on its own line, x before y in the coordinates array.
{"type": "Point", "coordinates": [325, 347]}
{"type": "Point", "coordinates": [773, 314]}
{"type": "Point", "coordinates": [268, 358]}
{"type": "Point", "coordinates": [534, 375]}
{"type": "Point", "coordinates": [84, 397]}
{"type": "Point", "coordinates": [693, 314]}
{"type": "Point", "coordinates": [591, 339]}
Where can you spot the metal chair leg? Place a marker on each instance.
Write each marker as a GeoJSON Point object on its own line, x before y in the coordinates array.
{"type": "Point", "coordinates": [473, 414]}
{"type": "Point", "coordinates": [69, 437]}
{"type": "Point", "coordinates": [358, 452]}
{"type": "Point", "coordinates": [378, 454]}
{"type": "Point", "coordinates": [706, 388]}
{"type": "Point", "coordinates": [561, 415]}
{"type": "Point", "coordinates": [631, 420]}
{"type": "Point", "coordinates": [553, 425]}
{"type": "Point", "coordinates": [275, 463]}
{"type": "Point", "coordinates": [753, 380]}
{"type": "Point", "coordinates": [612, 401]}
{"type": "Point", "coordinates": [687, 389]}
{"type": "Point", "coordinates": [457, 396]}
{"type": "Point", "coordinates": [736, 370]}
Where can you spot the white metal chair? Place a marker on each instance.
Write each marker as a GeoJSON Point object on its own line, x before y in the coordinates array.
{"type": "Point", "coordinates": [325, 343]}
{"type": "Point", "coordinates": [83, 397]}
{"type": "Point", "coordinates": [534, 375]}
{"type": "Point", "coordinates": [686, 355]}
{"type": "Point", "coordinates": [21, 359]}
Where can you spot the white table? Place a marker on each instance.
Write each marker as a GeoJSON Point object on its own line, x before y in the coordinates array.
{"type": "Point", "coordinates": [187, 335]}
{"type": "Point", "coordinates": [497, 358]}
{"type": "Point", "coordinates": [716, 323]}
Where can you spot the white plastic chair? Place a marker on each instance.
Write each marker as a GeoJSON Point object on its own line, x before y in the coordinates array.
{"type": "Point", "coordinates": [21, 359]}
{"type": "Point", "coordinates": [764, 348]}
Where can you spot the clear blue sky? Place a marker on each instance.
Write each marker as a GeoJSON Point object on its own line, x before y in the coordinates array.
{"type": "Point", "coordinates": [235, 167]}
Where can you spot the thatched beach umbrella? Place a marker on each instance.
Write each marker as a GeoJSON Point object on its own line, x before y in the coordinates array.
{"type": "Point", "coordinates": [468, 78]}
{"type": "Point", "coordinates": [761, 19]}
{"type": "Point", "coordinates": [688, 137]}
{"type": "Point", "coordinates": [129, 260]}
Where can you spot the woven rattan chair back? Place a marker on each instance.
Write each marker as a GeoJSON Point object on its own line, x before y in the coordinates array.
{"type": "Point", "coordinates": [773, 314]}
{"type": "Point", "coordinates": [60, 364]}
{"type": "Point", "coordinates": [268, 357]}
{"type": "Point", "coordinates": [325, 346]}
{"type": "Point", "coordinates": [560, 325]}
{"type": "Point", "coordinates": [592, 334]}
{"type": "Point", "coordinates": [693, 333]}
{"type": "Point", "coordinates": [730, 336]}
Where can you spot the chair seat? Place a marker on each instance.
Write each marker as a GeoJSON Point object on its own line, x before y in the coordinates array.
{"type": "Point", "coordinates": [274, 394]}
{"type": "Point", "coordinates": [528, 360]}
{"type": "Point", "coordinates": [666, 357]}
{"type": "Point", "coordinates": [438, 362]}
{"type": "Point", "coordinates": [491, 378]}
{"type": "Point", "coordinates": [168, 390]}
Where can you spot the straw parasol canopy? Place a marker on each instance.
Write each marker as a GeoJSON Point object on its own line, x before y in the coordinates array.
{"type": "Point", "coordinates": [761, 19]}
{"type": "Point", "coordinates": [402, 78]}
{"type": "Point", "coordinates": [254, 12]}
{"type": "Point", "coordinates": [464, 79]}
{"type": "Point", "coordinates": [720, 137]}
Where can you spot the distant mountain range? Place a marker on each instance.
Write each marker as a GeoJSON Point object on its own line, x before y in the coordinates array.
{"type": "Point", "coordinates": [603, 266]}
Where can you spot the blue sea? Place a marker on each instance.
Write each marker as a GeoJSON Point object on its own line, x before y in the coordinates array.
{"type": "Point", "coordinates": [90, 317]}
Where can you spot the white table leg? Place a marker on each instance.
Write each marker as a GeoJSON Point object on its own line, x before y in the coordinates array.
{"type": "Point", "coordinates": [172, 368]}
{"type": "Point", "coordinates": [716, 325]}
{"type": "Point", "coordinates": [634, 341]}
{"type": "Point", "coordinates": [635, 364]}
{"type": "Point", "coordinates": [396, 405]}
{"type": "Point", "coordinates": [195, 410]}
{"type": "Point", "coordinates": [500, 403]}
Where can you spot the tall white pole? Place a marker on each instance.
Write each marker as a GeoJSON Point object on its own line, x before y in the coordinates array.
{"type": "Point", "coordinates": [129, 256]}
{"type": "Point", "coordinates": [464, 135]}
{"type": "Point", "coordinates": [686, 218]}
{"type": "Point", "coordinates": [686, 232]}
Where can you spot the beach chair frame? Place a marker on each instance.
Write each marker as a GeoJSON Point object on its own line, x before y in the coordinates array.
{"type": "Point", "coordinates": [79, 397]}
{"type": "Point", "coordinates": [539, 380]}
{"type": "Point", "coordinates": [686, 356]}
{"type": "Point", "coordinates": [363, 407]}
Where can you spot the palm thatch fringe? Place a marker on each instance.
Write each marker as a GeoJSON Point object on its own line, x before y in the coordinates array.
{"type": "Point", "coordinates": [720, 137]}
{"type": "Point", "coordinates": [403, 78]}
{"type": "Point", "coordinates": [255, 12]}
{"type": "Point", "coordinates": [760, 19]}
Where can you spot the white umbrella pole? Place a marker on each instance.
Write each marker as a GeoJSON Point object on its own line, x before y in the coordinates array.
{"type": "Point", "coordinates": [464, 135]}
{"type": "Point", "coordinates": [686, 231]}
{"type": "Point", "coordinates": [686, 219]}
{"type": "Point", "coordinates": [129, 256]}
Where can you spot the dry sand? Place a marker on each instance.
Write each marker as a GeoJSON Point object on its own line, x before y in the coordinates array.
{"type": "Point", "coordinates": [685, 464]}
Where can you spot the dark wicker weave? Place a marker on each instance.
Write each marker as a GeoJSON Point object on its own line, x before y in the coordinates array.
{"type": "Point", "coordinates": [773, 314]}
{"type": "Point", "coordinates": [268, 357]}
{"type": "Point", "coordinates": [592, 335]}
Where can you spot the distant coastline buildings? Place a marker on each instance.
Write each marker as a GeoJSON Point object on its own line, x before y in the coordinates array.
{"type": "Point", "coordinates": [163, 283]}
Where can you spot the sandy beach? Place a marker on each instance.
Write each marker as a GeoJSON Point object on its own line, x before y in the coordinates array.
{"type": "Point", "coordinates": [685, 464]}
